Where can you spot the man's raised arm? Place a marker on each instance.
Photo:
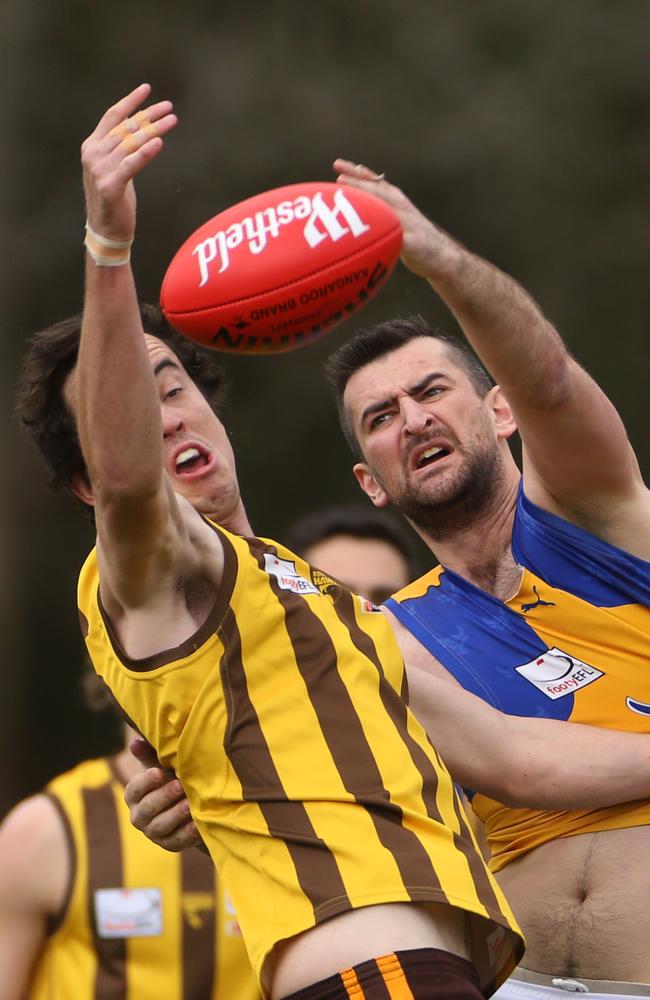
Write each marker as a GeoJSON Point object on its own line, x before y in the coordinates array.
{"type": "Point", "coordinates": [578, 460]}
{"type": "Point", "coordinates": [113, 391]}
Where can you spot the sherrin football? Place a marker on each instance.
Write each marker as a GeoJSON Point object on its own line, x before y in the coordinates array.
{"type": "Point", "coordinates": [279, 270]}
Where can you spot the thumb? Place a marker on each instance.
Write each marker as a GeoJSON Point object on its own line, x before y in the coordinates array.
{"type": "Point", "coordinates": [144, 752]}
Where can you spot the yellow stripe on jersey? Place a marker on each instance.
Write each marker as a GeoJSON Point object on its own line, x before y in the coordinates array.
{"type": "Point", "coordinates": [311, 783]}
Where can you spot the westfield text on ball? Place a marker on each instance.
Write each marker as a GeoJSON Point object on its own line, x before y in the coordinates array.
{"type": "Point", "coordinates": [277, 271]}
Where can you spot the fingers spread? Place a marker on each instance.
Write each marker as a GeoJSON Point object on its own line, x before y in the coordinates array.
{"type": "Point", "coordinates": [123, 108]}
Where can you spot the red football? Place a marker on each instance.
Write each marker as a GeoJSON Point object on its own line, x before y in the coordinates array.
{"type": "Point", "coordinates": [276, 271]}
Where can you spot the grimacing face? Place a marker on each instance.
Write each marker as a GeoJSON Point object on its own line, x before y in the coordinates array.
{"type": "Point", "coordinates": [197, 455]}
{"type": "Point", "coordinates": [430, 442]}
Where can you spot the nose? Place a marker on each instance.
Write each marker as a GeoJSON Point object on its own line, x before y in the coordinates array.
{"type": "Point", "coordinates": [172, 423]}
{"type": "Point", "coordinates": [415, 417]}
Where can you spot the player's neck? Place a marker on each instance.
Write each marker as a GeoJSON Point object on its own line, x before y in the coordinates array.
{"type": "Point", "coordinates": [481, 551]}
{"type": "Point", "coordinates": [236, 521]}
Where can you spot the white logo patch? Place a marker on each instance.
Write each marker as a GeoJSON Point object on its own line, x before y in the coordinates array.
{"type": "Point", "coordinates": [127, 913]}
{"type": "Point", "coordinates": [556, 674]}
{"type": "Point", "coordinates": [287, 575]}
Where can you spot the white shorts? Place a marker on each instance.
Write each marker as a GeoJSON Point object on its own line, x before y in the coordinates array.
{"type": "Point", "coordinates": [525, 985]}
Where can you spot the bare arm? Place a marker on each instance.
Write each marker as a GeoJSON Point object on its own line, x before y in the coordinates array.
{"type": "Point", "coordinates": [114, 392]}
{"type": "Point", "coordinates": [34, 873]}
{"type": "Point", "coordinates": [538, 763]}
{"type": "Point", "coordinates": [593, 477]}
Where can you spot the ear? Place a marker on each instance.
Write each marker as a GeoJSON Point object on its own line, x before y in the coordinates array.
{"type": "Point", "coordinates": [80, 487]}
{"type": "Point", "coordinates": [369, 484]}
{"type": "Point", "coordinates": [504, 421]}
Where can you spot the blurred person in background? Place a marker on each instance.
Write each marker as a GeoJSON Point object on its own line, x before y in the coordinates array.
{"type": "Point", "coordinates": [365, 549]}
{"type": "Point", "coordinates": [92, 910]}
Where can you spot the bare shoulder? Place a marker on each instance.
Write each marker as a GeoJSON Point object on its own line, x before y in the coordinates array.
{"type": "Point", "coordinates": [34, 856]}
{"type": "Point", "coordinates": [416, 655]}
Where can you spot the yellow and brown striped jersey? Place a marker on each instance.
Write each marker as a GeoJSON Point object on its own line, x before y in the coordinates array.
{"type": "Point", "coordinates": [313, 786]}
{"type": "Point", "coordinates": [138, 922]}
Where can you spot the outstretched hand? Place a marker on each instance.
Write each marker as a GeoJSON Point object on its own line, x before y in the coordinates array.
{"type": "Point", "coordinates": [426, 246]}
{"type": "Point", "coordinates": [123, 143]}
{"type": "Point", "coordinates": [157, 803]}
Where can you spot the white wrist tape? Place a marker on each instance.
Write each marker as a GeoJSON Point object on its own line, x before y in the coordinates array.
{"type": "Point", "coordinates": [106, 252]}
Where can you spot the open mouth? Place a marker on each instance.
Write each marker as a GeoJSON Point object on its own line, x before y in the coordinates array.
{"type": "Point", "coordinates": [190, 460]}
{"type": "Point", "coordinates": [430, 456]}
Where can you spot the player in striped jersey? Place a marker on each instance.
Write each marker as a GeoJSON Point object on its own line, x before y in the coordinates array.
{"type": "Point", "coordinates": [272, 691]}
{"type": "Point", "coordinates": [90, 909]}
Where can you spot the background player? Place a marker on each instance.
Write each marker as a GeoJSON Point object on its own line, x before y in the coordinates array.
{"type": "Point", "coordinates": [90, 908]}
{"type": "Point", "coordinates": [367, 550]}
{"type": "Point", "coordinates": [541, 602]}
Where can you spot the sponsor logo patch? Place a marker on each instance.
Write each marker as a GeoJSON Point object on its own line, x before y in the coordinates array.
{"type": "Point", "coordinates": [287, 575]}
{"type": "Point", "coordinates": [127, 913]}
{"type": "Point", "coordinates": [557, 674]}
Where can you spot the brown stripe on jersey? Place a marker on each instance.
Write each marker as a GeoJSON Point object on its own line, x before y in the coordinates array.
{"type": "Point", "coordinates": [55, 920]}
{"type": "Point", "coordinates": [465, 845]}
{"type": "Point", "coordinates": [404, 689]}
{"type": "Point", "coordinates": [316, 868]}
{"type": "Point", "coordinates": [202, 634]}
{"type": "Point", "coordinates": [396, 708]}
{"type": "Point", "coordinates": [343, 732]}
{"type": "Point", "coordinates": [105, 871]}
{"type": "Point", "coordinates": [83, 623]}
{"type": "Point", "coordinates": [199, 923]}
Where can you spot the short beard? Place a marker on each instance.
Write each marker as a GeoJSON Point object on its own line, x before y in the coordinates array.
{"type": "Point", "coordinates": [464, 503]}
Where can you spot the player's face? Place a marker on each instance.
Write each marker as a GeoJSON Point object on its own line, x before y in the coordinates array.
{"type": "Point", "coordinates": [371, 567]}
{"type": "Point", "coordinates": [429, 441]}
{"type": "Point", "coordinates": [198, 456]}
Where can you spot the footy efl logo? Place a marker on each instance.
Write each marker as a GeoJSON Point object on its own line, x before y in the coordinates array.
{"type": "Point", "coordinates": [323, 222]}
{"type": "Point", "coordinates": [287, 575]}
{"type": "Point", "coordinates": [557, 674]}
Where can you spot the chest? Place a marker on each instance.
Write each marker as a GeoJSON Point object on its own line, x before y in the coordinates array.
{"type": "Point", "coordinates": [545, 652]}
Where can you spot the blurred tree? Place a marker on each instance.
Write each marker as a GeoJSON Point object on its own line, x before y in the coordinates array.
{"type": "Point", "coordinates": [519, 126]}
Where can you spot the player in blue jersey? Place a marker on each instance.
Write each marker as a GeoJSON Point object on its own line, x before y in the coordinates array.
{"type": "Point", "coordinates": [541, 601]}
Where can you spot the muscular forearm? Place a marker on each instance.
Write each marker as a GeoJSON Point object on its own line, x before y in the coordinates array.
{"type": "Point", "coordinates": [537, 763]}
{"type": "Point", "coordinates": [574, 766]}
{"type": "Point", "coordinates": [119, 412]}
{"type": "Point", "coordinates": [504, 325]}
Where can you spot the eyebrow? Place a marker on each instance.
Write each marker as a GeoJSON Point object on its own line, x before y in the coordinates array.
{"type": "Point", "coordinates": [411, 391]}
{"type": "Point", "coordinates": [165, 363]}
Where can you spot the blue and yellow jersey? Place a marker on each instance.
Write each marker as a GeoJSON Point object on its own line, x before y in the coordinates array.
{"type": "Point", "coordinates": [572, 644]}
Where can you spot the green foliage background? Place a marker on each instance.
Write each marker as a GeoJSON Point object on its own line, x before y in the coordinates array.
{"type": "Point", "coordinates": [520, 126]}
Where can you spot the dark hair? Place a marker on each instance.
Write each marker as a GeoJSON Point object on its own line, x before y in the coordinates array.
{"type": "Point", "coordinates": [52, 354]}
{"type": "Point", "coordinates": [357, 520]}
{"type": "Point", "coordinates": [368, 345]}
